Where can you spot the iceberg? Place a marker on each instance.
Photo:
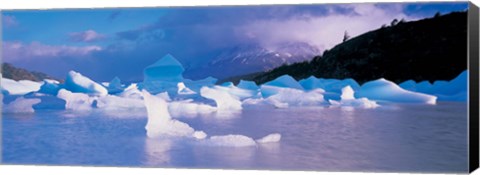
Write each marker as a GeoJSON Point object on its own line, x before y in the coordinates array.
{"type": "Point", "coordinates": [76, 82]}
{"type": "Point", "coordinates": [329, 85]}
{"type": "Point", "coordinates": [286, 97]}
{"type": "Point", "coordinates": [249, 85]}
{"type": "Point", "coordinates": [163, 75]}
{"type": "Point", "coordinates": [131, 91]}
{"type": "Point", "coordinates": [22, 87]}
{"type": "Point", "coordinates": [115, 86]}
{"type": "Point", "coordinates": [21, 105]}
{"type": "Point", "coordinates": [183, 90]}
{"type": "Point", "coordinates": [453, 90]}
{"type": "Point", "coordinates": [76, 101]}
{"type": "Point", "coordinates": [231, 141]}
{"type": "Point", "coordinates": [285, 81]}
{"type": "Point", "coordinates": [271, 138]}
{"type": "Point", "coordinates": [188, 108]}
{"type": "Point", "coordinates": [348, 100]}
{"type": "Point", "coordinates": [224, 100]}
{"type": "Point", "coordinates": [116, 103]}
{"type": "Point", "coordinates": [50, 87]}
{"type": "Point", "coordinates": [384, 90]}
{"type": "Point", "coordinates": [160, 123]}
{"type": "Point", "coordinates": [196, 85]}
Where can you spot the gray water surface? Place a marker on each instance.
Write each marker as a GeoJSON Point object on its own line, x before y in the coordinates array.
{"type": "Point", "coordinates": [400, 138]}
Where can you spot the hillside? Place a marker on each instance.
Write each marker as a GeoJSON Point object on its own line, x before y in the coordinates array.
{"type": "Point", "coordinates": [429, 49]}
{"type": "Point", "coordinates": [11, 72]}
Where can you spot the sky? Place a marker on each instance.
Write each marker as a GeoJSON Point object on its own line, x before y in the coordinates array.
{"type": "Point", "coordinates": [104, 43]}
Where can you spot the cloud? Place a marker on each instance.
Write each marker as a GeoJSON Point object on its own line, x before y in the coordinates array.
{"type": "Point", "coordinates": [322, 31]}
{"type": "Point", "coordinates": [13, 51]}
{"type": "Point", "coordinates": [9, 21]}
{"type": "Point", "coordinates": [213, 27]}
{"type": "Point", "coordinates": [86, 36]}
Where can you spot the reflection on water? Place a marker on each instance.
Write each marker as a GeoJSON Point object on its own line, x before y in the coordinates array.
{"type": "Point", "coordinates": [157, 151]}
{"type": "Point", "coordinates": [407, 138]}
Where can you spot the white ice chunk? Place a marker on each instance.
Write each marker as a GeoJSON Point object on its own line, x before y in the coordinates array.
{"type": "Point", "coordinates": [348, 100]}
{"type": "Point", "coordinates": [224, 100]}
{"type": "Point", "coordinates": [21, 87]}
{"type": "Point", "coordinates": [237, 92]}
{"type": "Point", "coordinates": [21, 105]}
{"type": "Point", "coordinates": [76, 101]}
{"type": "Point", "coordinates": [271, 138]}
{"type": "Point", "coordinates": [285, 97]}
{"type": "Point", "coordinates": [188, 108]}
{"type": "Point", "coordinates": [76, 82]}
{"type": "Point", "coordinates": [182, 89]}
{"type": "Point", "coordinates": [160, 123]}
{"type": "Point", "coordinates": [384, 90]}
{"type": "Point", "coordinates": [131, 92]}
{"type": "Point", "coordinates": [231, 141]}
{"type": "Point", "coordinates": [116, 103]}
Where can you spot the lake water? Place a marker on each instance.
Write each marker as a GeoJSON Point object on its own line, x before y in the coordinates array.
{"type": "Point", "coordinates": [400, 138]}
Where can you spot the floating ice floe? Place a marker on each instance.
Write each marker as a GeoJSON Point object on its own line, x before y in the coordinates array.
{"type": "Point", "coordinates": [116, 103]}
{"type": "Point", "coordinates": [231, 141]}
{"type": "Point", "coordinates": [285, 81]}
{"type": "Point", "coordinates": [196, 85]}
{"type": "Point", "coordinates": [271, 138]}
{"type": "Point", "coordinates": [348, 100]}
{"type": "Point", "coordinates": [115, 86]}
{"type": "Point", "coordinates": [76, 101]}
{"type": "Point", "coordinates": [224, 100]}
{"type": "Point", "coordinates": [235, 140]}
{"type": "Point", "coordinates": [183, 90]}
{"type": "Point", "coordinates": [131, 91]}
{"type": "Point", "coordinates": [249, 85]}
{"type": "Point", "coordinates": [160, 123]}
{"type": "Point", "coordinates": [384, 90]}
{"type": "Point", "coordinates": [189, 108]}
{"type": "Point", "coordinates": [76, 82]}
{"type": "Point", "coordinates": [453, 90]}
{"type": "Point", "coordinates": [21, 105]}
{"type": "Point", "coordinates": [288, 97]}
{"type": "Point", "coordinates": [50, 87]}
{"type": "Point", "coordinates": [12, 87]}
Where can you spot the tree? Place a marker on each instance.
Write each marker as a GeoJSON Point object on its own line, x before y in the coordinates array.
{"type": "Point", "coordinates": [394, 22]}
{"type": "Point", "coordinates": [345, 36]}
{"type": "Point", "coordinates": [437, 15]}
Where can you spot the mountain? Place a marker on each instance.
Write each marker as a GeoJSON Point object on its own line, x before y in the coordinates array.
{"type": "Point", "coordinates": [249, 58]}
{"type": "Point", "coordinates": [11, 72]}
{"type": "Point", "coordinates": [428, 49]}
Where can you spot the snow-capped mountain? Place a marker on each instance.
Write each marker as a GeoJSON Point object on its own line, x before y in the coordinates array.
{"type": "Point", "coordinates": [245, 59]}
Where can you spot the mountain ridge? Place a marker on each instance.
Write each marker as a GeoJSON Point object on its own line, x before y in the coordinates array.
{"type": "Point", "coordinates": [429, 49]}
